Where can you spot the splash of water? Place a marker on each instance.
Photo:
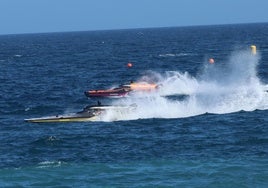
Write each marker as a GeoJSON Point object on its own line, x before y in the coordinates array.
{"type": "Point", "coordinates": [220, 88]}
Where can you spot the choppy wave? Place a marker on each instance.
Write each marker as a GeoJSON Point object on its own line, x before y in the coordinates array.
{"type": "Point", "coordinates": [176, 54]}
{"type": "Point", "coordinates": [49, 164]}
{"type": "Point", "coordinates": [139, 174]}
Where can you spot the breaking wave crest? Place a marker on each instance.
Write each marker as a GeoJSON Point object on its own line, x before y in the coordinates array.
{"type": "Point", "coordinates": [219, 88]}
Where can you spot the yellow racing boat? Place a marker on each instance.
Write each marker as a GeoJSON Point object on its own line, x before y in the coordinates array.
{"type": "Point", "coordinates": [89, 113]}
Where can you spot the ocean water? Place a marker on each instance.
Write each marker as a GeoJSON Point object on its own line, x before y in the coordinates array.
{"type": "Point", "coordinates": [206, 126]}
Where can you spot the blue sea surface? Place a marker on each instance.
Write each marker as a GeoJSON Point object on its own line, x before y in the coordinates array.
{"type": "Point", "coordinates": [217, 137]}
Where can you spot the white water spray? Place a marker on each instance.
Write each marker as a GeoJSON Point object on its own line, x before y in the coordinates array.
{"type": "Point", "coordinates": [221, 88]}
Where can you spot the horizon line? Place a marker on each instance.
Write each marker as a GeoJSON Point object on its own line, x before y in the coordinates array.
{"type": "Point", "coordinates": [134, 28]}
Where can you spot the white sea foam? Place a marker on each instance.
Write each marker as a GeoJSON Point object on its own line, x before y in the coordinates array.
{"type": "Point", "coordinates": [49, 164]}
{"type": "Point", "coordinates": [220, 88]}
{"type": "Point", "coordinates": [175, 55]}
{"type": "Point", "coordinates": [17, 55]}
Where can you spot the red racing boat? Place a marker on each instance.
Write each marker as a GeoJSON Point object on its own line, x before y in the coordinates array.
{"type": "Point", "coordinates": [121, 91]}
{"type": "Point", "coordinates": [116, 92]}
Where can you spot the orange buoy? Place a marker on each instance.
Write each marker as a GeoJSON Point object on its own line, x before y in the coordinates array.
{"type": "Point", "coordinates": [129, 65]}
{"type": "Point", "coordinates": [211, 61]}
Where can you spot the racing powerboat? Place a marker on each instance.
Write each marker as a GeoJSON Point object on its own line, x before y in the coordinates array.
{"type": "Point", "coordinates": [122, 90]}
{"type": "Point", "coordinates": [116, 92]}
{"type": "Point", "coordinates": [89, 113]}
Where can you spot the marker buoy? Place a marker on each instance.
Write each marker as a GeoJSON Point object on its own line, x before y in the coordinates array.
{"type": "Point", "coordinates": [211, 61]}
{"type": "Point", "coordinates": [253, 49]}
{"type": "Point", "coordinates": [129, 65]}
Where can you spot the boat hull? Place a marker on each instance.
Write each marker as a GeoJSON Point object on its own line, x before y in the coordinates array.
{"type": "Point", "coordinates": [52, 119]}
{"type": "Point", "coordinates": [106, 93]}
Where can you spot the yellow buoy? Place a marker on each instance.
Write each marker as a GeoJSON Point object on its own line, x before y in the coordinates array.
{"type": "Point", "coordinates": [253, 49]}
